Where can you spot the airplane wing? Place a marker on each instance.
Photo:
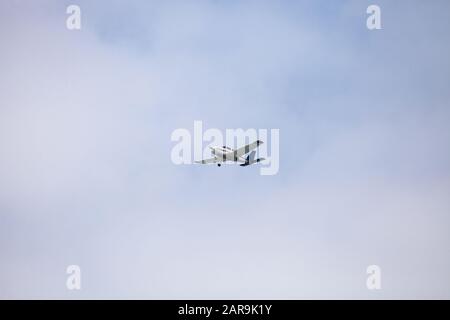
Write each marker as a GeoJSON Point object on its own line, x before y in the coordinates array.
{"type": "Point", "coordinates": [206, 161]}
{"type": "Point", "coordinates": [246, 149]}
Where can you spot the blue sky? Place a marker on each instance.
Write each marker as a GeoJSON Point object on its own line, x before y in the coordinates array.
{"type": "Point", "coordinates": [86, 176]}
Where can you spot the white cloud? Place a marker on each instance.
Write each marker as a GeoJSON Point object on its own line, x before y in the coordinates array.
{"type": "Point", "coordinates": [86, 177]}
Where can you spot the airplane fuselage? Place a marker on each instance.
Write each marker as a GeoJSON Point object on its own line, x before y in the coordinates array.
{"type": "Point", "coordinates": [225, 154]}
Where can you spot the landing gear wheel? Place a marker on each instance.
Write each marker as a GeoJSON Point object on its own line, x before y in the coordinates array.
{"type": "Point", "coordinates": [218, 164]}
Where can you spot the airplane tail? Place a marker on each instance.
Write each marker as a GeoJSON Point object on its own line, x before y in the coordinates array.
{"type": "Point", "coordinates": [251, 159]}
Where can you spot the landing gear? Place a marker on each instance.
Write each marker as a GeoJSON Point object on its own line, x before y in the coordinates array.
{"type": "Point", "coordinates": [218, 164]}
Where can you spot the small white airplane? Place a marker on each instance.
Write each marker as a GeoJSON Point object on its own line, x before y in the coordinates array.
{"type": "Point", "coordinates": [223, 154]}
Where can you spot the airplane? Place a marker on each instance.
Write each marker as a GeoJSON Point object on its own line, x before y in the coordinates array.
{"type": "Point", "coordinates": [223, 154]}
